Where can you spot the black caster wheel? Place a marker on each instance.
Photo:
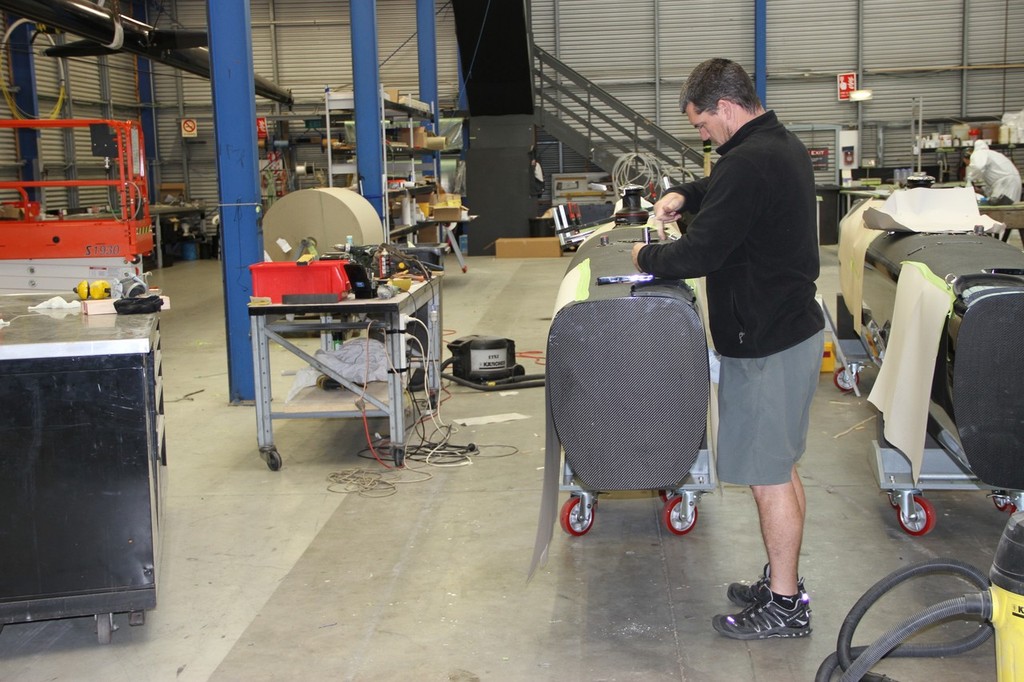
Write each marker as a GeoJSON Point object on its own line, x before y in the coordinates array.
{"type": "Point", "coordinates": [272, 457]}
{"type": "Point", "coordinates": [104, 627]}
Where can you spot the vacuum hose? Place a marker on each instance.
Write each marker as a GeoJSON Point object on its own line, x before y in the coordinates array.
{"type": "Point", "coordinates": [978, 604]}
{"type": "Point", "coordinates": [521, 381]}
{"type": "Point", "coordinates": [857, 661]}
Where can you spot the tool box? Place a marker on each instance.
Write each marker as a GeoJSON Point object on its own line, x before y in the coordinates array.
{"type": "Point", "coordinates": [322, 281]}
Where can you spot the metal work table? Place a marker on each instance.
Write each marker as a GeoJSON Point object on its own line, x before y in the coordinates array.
{"type": "Point", "coordinates": [62, 333]}
{"type": "Point", "coordinates": [83, 434]}
{"type": "Point", "coordinates": [275, 322]}
{"type": "Point", "coordinates": [161, 211]}
{"type": "Point", "coordinates": [1012, 216]}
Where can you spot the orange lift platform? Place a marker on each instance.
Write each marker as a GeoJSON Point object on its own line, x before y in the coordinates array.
{"type": "Point", "coordinates": [124, 232]}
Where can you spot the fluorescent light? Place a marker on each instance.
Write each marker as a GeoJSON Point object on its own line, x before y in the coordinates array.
{"type": "Point", "coordinates": [861, 95]}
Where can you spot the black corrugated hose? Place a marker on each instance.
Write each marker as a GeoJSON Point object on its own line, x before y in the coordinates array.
{"type": "Point", "coordinates": [519, 381]}
{"type": "Point", "coordinates": [524, 381]}
{"type": "Point", "coordinates": [857, 661]}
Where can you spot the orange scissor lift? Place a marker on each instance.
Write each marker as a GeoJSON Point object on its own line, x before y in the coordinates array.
{"type": "Point", "coordinates": [126, 233]}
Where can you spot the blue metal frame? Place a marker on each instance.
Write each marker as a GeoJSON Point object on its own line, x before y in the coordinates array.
{"type": "Point", "coordinates": [368, 113]}
{"type": "Point", "coordinates": [234, 103]}
{"type": "Point", "coordinates": [147, 100]}
{"type": "Point", "coordinates": [426, 52]}
{"type": "Point", "coordinates": [761, 50]}
{"type": "Point", "coordinates": [27, 100]}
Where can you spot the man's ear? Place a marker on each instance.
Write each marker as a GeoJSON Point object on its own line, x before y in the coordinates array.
{"type": "Point", "coordinates": [726, 109]}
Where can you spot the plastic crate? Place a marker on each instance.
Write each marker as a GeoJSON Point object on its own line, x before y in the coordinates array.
{"type": "Point", "coordinates": [279, 280]}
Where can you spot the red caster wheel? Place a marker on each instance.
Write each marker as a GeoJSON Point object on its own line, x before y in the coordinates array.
{"type": "Point", "coordinates": [1003, 504]}
{"type": "Point", "coordinates": [924, 519]}
{"type": "Point", "coordinates": [576, 521]}
{"type": "Point", "coordinates": [679, 516]}
{"type": "Point", "coordinates": [845, 380]}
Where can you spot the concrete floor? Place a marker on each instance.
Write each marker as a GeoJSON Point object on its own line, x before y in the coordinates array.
{"type": "Point", "coordinates": [279, 576]}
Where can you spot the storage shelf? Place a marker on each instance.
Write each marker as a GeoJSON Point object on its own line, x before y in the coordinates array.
{"type": "Point", "coordinates": [332, 403]}
{"type": "Point", "coordinates": [401, 159]}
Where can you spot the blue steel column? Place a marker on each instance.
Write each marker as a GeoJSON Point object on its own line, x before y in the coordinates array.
{"type": "Point", "coordinates": [426, 52]}
{"type": "Point", "coordinates": [234, 120]}
{"type": "Point", "coordinates": [761, 50]}
{"type": "Point", "coordinates": [147, 113]}
{"type": "Point", "coordinates": [23, 76]}
{"type": "Point", "coordinates": [366, 79]}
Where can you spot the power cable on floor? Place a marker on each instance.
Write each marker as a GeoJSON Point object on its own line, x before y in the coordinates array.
{"type": "Point", "coordinates": [373, 483]}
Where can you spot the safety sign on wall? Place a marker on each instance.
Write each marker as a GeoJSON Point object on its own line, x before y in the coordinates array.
{"type": "Point", "coordinates": [819, 158]}
{"type": "Point", "coordinates": [189, 128]}
{"type": "Point", "coordinates": [847, 83]}
{"type": "Point", "coordinates": [261, 128]}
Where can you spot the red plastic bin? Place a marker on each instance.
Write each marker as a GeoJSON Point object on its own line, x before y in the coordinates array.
{"type": "Point", "coordinates": [275, 280]}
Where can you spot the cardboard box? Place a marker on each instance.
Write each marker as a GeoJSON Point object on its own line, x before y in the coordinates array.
{"type": "Point", "coordinates": [413, 137]}
{"type": "Point", "coordinates": [446, 214]}
{"type": "Point", "coordinates": [447, 208]}
{"type": "Point", "coordinates": [529, 247]}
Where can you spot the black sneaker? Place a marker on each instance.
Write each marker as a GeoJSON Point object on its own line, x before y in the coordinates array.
{"type": "Point", "coordinates": [744, 595]}
{"type": "Point", "coordinates": [763, 620]}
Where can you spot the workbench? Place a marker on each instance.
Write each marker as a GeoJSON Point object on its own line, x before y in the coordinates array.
{"type": "Point", "coordinates": [278, 321]}
{"type": "Point", "coordinates": [165, 212]}
{"type": "Point", "coordinates": [82, 429]}
{"type": "Point", "coordinates": [1011, 215]}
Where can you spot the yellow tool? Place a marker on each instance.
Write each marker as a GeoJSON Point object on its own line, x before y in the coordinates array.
{"type": "Point", "coordinates": [99, 289]}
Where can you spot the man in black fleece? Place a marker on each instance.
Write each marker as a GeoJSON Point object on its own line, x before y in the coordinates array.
{"type": "Point", "coordinates": [753, 237]}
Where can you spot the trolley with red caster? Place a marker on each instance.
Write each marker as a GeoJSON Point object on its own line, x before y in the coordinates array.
{"type": "Point", "coordinates": [678, 512]}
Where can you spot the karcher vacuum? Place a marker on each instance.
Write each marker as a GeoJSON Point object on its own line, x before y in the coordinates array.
{"type": "Point", "coordinates": [998, 606]}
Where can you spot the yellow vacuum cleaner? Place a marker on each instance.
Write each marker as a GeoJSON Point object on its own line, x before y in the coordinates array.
{"type": "Point", "coordinates": [998, 606]}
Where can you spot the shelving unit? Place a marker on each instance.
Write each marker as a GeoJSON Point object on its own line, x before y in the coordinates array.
{"type": "Point", "coordinates": [409, 161]}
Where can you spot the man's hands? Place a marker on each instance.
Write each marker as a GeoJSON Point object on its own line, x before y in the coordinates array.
{"type": "Point", "coordinates": [636, 252]}
{"type": "Point", "coordinates": [669, 208]}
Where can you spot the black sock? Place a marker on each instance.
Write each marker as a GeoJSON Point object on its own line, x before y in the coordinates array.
{"type": "Point", "coordinates": [786, 602]}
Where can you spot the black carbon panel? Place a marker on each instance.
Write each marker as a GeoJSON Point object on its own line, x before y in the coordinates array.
{"type": "Point", "coordinates": [627, 380]}
{"type": "Point", "coordinates": [988, 391]}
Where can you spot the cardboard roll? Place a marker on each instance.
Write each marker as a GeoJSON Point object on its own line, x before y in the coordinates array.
{"type": "Point", "coordinates": [328, 215]}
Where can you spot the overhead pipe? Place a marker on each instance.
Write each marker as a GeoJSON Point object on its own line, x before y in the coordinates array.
{"type": "Point", "coordinates": [110, 31]}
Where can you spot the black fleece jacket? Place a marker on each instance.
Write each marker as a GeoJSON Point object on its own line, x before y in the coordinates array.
{"type": "Point", "coordinates": [754, 238]}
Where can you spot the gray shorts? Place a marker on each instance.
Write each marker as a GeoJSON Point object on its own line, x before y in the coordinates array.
{"type": "Point", "coordinates": [764, 409]}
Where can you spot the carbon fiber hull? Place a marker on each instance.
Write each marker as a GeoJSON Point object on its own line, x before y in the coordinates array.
{"type": "Point", "coordinates": [976, 410]}
{"type": "Point", "coordinates": [627, 377]}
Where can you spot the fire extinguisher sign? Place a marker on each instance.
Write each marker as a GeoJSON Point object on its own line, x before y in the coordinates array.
{"type": "Point", "coordinates": [261, 128]}
{"type": "Point", "coordinates": [846, 83]}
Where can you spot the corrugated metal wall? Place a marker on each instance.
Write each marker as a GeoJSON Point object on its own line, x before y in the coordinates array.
{"type": "Point", "coordinates": [640, 52]}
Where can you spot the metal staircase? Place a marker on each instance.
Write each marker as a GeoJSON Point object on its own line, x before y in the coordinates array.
{"type": "Point", "coordinates": [598, 126]}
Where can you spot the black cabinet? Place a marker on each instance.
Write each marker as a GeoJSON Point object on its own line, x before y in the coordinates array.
{"type": "Point", "coordinates": [83, 446]}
